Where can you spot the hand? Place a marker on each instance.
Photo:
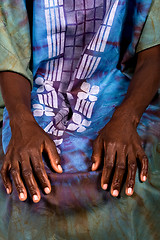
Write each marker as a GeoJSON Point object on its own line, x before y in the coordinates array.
{"type": "Point", "coordinates": [119, 141]}
{"type": "Point", "coordinates": [25, 149]}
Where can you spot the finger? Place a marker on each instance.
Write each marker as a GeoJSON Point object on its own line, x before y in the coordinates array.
{"type": "Point", "coordinates": [5, 176]}
{"type": "Point", "coordinates": [97, 153]}
{"type": "Point", "coordinates": [132, 168]}
{"type": "Point", "coordinates": [109, 160]}
{"type": "Point", "coordinates": [15, 172]}
{"type": "Point", "coordinates": [29, 178]}
{"type": "Point", "coordinates": [119, 173]}
{"type": "Point", "coordinates": [144, 164]}
{"type": "Point", "coordinates": [40, 171]}
{"type": "Point", "coordinates": [50, 148]}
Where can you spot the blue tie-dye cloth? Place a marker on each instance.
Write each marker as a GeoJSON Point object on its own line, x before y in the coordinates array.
{"type": "Point", "coordinates": [83, 51]}
{"type": "Point", "coordinates": [80, 49]}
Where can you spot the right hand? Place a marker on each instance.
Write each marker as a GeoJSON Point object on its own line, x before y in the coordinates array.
{"type": "Point", "coordinates": [24, 152]}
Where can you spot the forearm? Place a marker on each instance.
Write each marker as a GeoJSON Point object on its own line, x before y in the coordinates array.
{"type": "Point", "coordinates": [16, 92]}
{"type": "Point", "coordinates": [144, 84]}
{"type": "Point", "coordinates": [27, 142]}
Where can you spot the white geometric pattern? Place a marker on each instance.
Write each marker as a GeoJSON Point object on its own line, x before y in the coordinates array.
{"type": "Point", "coordinates": [79, 124]}
{"type": "Point", "coordinates": [52, 130]}
{"type": "Point", "coordinates": [43, 85]}
{"type": "Point", "coordinates": [58, 143]}
{"type": "Point", "coordinates": [83, 105]}
{"type": "Point", "coordinates": [49, 99]}
{"type": "Point", "coordinates": [89, 92]}
{"type": "Point", "coordinates": [40, 110]}
{"type": "Point", "coordinates": [89, 64]}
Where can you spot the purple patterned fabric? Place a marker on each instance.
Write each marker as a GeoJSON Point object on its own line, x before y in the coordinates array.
{"type": "Point", "coordinates": [82, 53]}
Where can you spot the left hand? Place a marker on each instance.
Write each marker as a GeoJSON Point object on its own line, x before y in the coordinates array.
{"type": "Point", "coordinates": [121, 145]}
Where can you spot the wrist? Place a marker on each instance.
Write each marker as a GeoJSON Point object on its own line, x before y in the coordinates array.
{"type": "Point", "coordinates": [21, 114]}
{"type": "Point", "coordinates": [126, 113]}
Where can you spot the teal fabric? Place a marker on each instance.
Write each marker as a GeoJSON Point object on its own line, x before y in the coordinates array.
{"type": "Point", "coordinates": [78, 209]}
{"type": "Point", "coordinates": [15, 47]}
{"type": "Point", "coordinates": [151, 33]}
{"type": "Point", "coordinates": [104, 218]}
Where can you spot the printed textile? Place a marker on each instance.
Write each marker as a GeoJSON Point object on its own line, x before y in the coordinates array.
{"type": "Point", "coordinates": [82, 51]}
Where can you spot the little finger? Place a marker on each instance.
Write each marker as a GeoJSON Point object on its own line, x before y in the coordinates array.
{"type": "Point", "coordinates": [144, 164]}
{"type": "Point", "coordinates": [5, 176]}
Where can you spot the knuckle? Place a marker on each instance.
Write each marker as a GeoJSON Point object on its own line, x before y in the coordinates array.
{"type": "Point", "coordinates": [121, 145]}
{"type": "Point", "coordinates": [111, 145]}
{"type": "Point", "coordinates": [116, 184]}
{"type": "Point", "coordinates": [145, 170]}
{"type": "Point", "coordinates": [32, 189]}
{"type": "Point", "coordinates": [145, 159]}
{"type": "Point", "coordinates": [132, 165]}
{"type": "Point", "coordinates": [108, 165]}
{"type": "Point", "coordinates": [14, 171]}
{"type": "Point", "coordinates": [116, 181]}
{"type": "Point", "coordinates": [26, 172]}
{"type": "Point", "coordinates": [33, 151]}
{"type": "Point", "coordinates": [3, 171]}
{"type": "Point", "coordinates": [131, 182]}
{"type": "Point", "coordinates": [39, 169]}
{"type": "Point", "coordinates": [121, 166]}
{"type": "Point", "coordinates": [19, 188]}
{"type": "Point", "coordinates": [21, 152]}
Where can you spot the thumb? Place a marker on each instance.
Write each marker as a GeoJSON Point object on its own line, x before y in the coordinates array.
{"type": "Point", "coordinates": [97, 153]}
{"type": "Point", "coordinates": [53, 155]}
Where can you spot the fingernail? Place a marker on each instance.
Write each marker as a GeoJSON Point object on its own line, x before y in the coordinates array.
{"type": "Point", "coordinates": [7, 190]}
{"type": "Point", "coordinates": [105, 186]}
{"type": "Point", "coordinates": [21, 195]}
{"type": "Point", "coordinates": [130, 191]}
{"type": "Point", "coordinates": [93, 166]}
{"type": "Point", "coordinates": [47, 190]}
{"type": "Point", "coordinates": [60, 168]}
{"type": "Point", "coordinates": [115, 193]}
{"type": "Point", "coordinates": [35, 198]}
{"type": "Point", "coordinates": [144, 178]}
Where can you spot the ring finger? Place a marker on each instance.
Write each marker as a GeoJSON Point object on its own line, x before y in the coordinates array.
{"type": "Point", "coordinates": [119, 173]}
{"type": "Point", "coordinates": [15, 172]}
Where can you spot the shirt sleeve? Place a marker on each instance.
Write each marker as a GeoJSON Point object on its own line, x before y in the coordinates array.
{"type": "Point", "coordinates": [151, 32]}
{"type": "Point", "coordinates": [15, 47]}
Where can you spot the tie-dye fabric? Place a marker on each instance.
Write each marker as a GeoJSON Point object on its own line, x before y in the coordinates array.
{"type": "Point", "coordinates": [83, 53]}
{"type": "Point", "coordinates": [15, 47]}
{"type": "Point", "coordinates": [80, 49]}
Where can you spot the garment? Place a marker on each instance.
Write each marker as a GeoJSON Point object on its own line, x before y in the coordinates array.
{"type": "Point", "coordinates": [15, 54]}
{"type": "Point", "coordinates": [15, 47]}
{"type": "Point", "coordinates": [81, 56]}
{"type": "Point", "coordinates": [150, 35]}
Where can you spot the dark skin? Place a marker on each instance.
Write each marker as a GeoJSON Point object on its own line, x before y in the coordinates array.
{"type": "Point", "coordinates": [118, 138]}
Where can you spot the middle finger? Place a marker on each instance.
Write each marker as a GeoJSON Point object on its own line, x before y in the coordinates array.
{"type": "Point", "coordinates": [119, 173]}
{"type": "Point", "coordinates": [40, 171]}
{"type": "Point", "coordinates": [29, 178]}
